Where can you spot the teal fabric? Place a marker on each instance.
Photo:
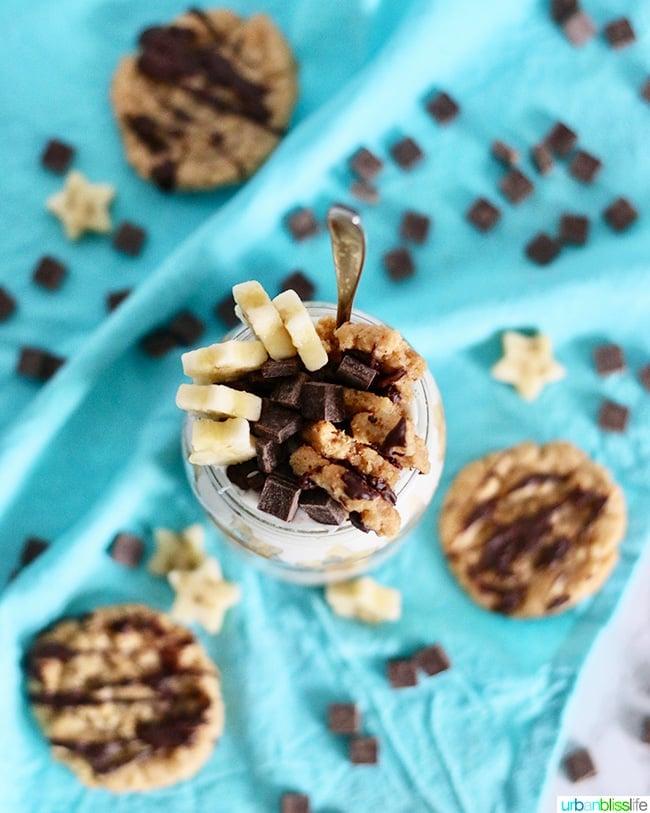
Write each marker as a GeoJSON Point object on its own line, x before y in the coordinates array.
{"type": "Point", "coordinates": [97, 449]}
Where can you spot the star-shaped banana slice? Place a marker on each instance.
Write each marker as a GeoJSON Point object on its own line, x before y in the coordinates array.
{"type": "Point", "coordinates": [527, 363]}
{"type": "Point", "coordinates": [82, 206]}
{"type": "Point", "coordinates": [365, 600]}
{"type": "Point", "coordinates": [177, 550]}
{"type": "Point", "coordinates": [202, 595]}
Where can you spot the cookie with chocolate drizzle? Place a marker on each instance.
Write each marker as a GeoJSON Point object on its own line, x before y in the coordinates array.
{"type": "Point", "coordinates": [205, 99]}
{"type": "Point", "coordinates": [532, 530]}
{"type": "Point", "coordinates": [128, 700]}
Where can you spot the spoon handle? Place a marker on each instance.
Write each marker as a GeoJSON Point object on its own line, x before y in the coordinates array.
{"type": "Point", "coordinates": [349, 253]}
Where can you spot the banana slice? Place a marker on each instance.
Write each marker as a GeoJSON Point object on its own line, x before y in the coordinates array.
{"type": "Point", "coordinates": [301, 329]}
{"type": "Point", "coordinates": [221, 443]}
{"type": "Point", "coordinates": [365, 600]}
{"type": "Point", "coordinates": [224, 361]}
{"type": "Point", "coordinates": [219, 401]}
{"type": "Point", "coordinates": [261, 314]}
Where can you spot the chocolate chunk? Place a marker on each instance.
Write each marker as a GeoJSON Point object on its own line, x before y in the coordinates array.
{"type": "Point", "coordinates": [644, 376]}
{"type": "Point", "coordinates": [553, 552]}
{"type": "Point", "coordinates": [561, 139]}
{"type": "Point", "coordinates": [516, 186]}
{"type": "Point", "coordinates": [483, 215]}
{"type": "Point", "coordinates": [7, 304]}
{"type": "Point", "coordinates": [115, 298]}
{"type": "Point", "coordinates": [57, 156]}
{"type": "Point", "coordinates": [613, 417]}
{"type": "Point", "coordinates": [365, 192]}
{"type": "Point", "coordinates": [402, 672]}
{"type": "Point", "coordinates": [186, 328]}
{"type": "Point", "coordinates": [504, 153]}
{"type": "Point", "coordinates": [164, 176]}
{"type": "Point", "coordinates": [38, 364]}
{"type": "Point", "coordinates": [225, 311]}
{"type": "Point", "coordinates": [281, 368]}
{"type": "Point", "coordinates": [579, 28]}
{"type": "Point", "coordinates": [414, 227]}
{"type": "Point", "coordinates": [579, 765]}
{"type": "Point", "coordinates": [302, 224]}
{"type": "Point", "coordinates": [32, 549]}
{"type": "Point", "coordinates": [585, 167]}
{"type": "Point", "coordinates": [406, 153]}
{"type": "Point", "coordinates": [279, 497]}
{"type": "Point", "coordinates": [269, 454]}
{"type": "Point", "coordinates": [542, 158]}
{"type": "Point", "coordinates": [147, 131]}
{"type": "Point", "coordinates": [432, 659]}
{"type": "Point", "coordinates": [365, 164]}
{"type": "Point", "coordinates": [301, 284]}
{"type": "Point", "coordinates": [277, 423]}
{"type": "Point", "coordinates": [354, 373]}
{"type": "Point", "coordinates": [129, 238]}
{"type": "Point", "coordinates": [127, 549]}
{"type": "Point", "coordinates": [287, 393]}
{"type": "Point", "coordinates": [321, 401]}
{"type": "Point", "coordinates": [574, 229]}
{"type": "Point", "coordinates": [246, 475]}
{"type": "Point", "coordinates": [158, 342]}
{"type": "Point", "coordinates": [357, 487]}
{"type": "Point", "coordinates": [396, 438]}
{"type": "Point", "coordinates": [620, 214]}
{"type": "Point", "coordinates": [619, 33]}
{"type": "Point", "coordinates": [295, 803]}
{"type": "Point", "coordinates": [318, 505]}
{"type": "Point", "coordinates": [399, 264]}
{"type": "Point", "coordinates": [343, 718]}
{"type": "Point", "coordinates": [645, 730]}
{"type": "Point", "coordinates": [49, 273]}
{"type": "Point", "coordinates": [443, 108]}
{"type": "Point", "coordinates": [645, 90]}
{"type": "Point", "coordinates": [608, 359]}
{"type": "Point", "coordinates": [364, 750]}
{"type": "Point", "coordinates": [543, 249]}
{"type": "Point", "coordinates": [357, 521]}
{"type": "Point", "coordinates": [561, 9]}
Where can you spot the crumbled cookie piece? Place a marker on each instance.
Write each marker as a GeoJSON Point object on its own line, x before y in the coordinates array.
{"type": "Point", "coordinates": [527, 363]}
{"type": "Point", "coordinates": [397, 439]}
{"type": "Point", "coordinates": [202, 595]}
{"type": "Point", "coordinates": [177, 550]}
{"type": "Point", "coordinates": [82, 206]}
{"type": "Point", "coordinates": [365, 599]}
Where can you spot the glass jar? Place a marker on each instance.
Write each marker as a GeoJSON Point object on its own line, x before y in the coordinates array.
{"type": "Point", "coordinates": [304, 551]}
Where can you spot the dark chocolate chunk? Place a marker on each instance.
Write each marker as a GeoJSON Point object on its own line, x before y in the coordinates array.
{"type": "Point", "coordinates": [574, 229]}
{"type": "Point", "coordinates": [321, 401]}
{"type": "Point", "coordinates": [279, 497]}
{"type": "Point", "coordinates": [443, 108]}
{"type": "Point", "coordinates": [357, 521]}
{"type": "Point", "coordinates": [129, 238]}
{"type": "Point", "coordinates": [645, 90]}
{"type": "Point", "coordinates": [49, 273]}
{"type": "Point", "coordinates": [357, 487]}
{"type": "Point", "coordinates": [280, 368]}
{"type": "Point", "coordinates": [269, 454]}
{"type": "Point", "coordinates": [585, 167]}
{"type": "Point", "coordinates": [613, 417]}
{"type": "Point", "coordinates": [245, 475]}
{"type": "Point", "coordinates": [186, 328]}
{"type": "Point", "coordinates": [645, 730]}
{"type": "Point", "coordinates": [32, 549]}
{"type": "Point", "coordinates": [504, 153]}
{"type": "Point", "coordinates": [127, 549]}
{"type": "Point", "coordinates": [300, 283]}
{"type": "Point", "coordinates": [225, 311]}
{"type": "Point", "coordinates": [365, 164]}
{"type": "Point", "coordinates": [561, 9]}
{"type": "Point", "coordinates": [579, 28]}
{"type": "Point", "coordinates": [414, 227]}
{"type": "Point", "coordinates": [354, 373]}
{"type": "Point", "coordinates": [287, 392]}
{"type": "Point", "coordinates": [561, 139]}
{"type": "Point", "coordinates": [579, 765]}
{"type": "Point", "coordinates": [399, 264]}
{"type": "Point", "coordinates": [432, 659]}
{"type": "Point", "coordinates": [543, 249]}
{"type": "Point", "coordinates": [609, 358]}
{"type": "Point", "coordinates": [318, 505]}
{"type": "Point", "coordinates": [343, 718]}
{"type": "Point", "coordinates": [402, 672]}
{"type": "Point", "coordinates": [396, 438]}
{"type": "Point", "coordinates": [620, 214]}
{"type": "Point", "coordinates": [38, 364]}
{"type": "Point", "coordinates": [516, 186]}
{"type": "Point", "coordinates": [115, 298]}
{"type": "Point", "coordinates": [364, 750]}
{"type": "Point", "coordinates": [542, 158]}
{"type": "Point", "coordinates": [158, 342]}
{"type": "Point", "coordinates": [619, 33]}
{"type": "Point", "coordinates": [57, 156]}
{"type": "Point", "coordinates": [7, 304]}
{"type": "Point", "coordinates": [295, 803]}
{"type": "Point", "coordinates": [302, 224]}
{"type": "Point", "coordinates": [406, 153]}
{"type": "Point", "coordinates": [483, 215]}
{"type": "Point", "coordinates": [277, 423]}
{"type": "Point", "coordinates": [365, 192]}
{"type": "Point", "coordinates": [164, 175]}
{"type": "Point", "coordinates": [644, 376]}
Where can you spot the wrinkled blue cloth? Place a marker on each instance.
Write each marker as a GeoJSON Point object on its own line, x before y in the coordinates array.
{"type": "Point", "coordinates": [96, 450]}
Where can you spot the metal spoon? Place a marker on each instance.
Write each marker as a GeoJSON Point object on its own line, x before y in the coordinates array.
{"type": "Point", "coordinates": [349, 252]}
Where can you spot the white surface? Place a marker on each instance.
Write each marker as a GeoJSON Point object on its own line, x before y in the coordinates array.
{"type": "Point", "coordinates": [611, 700]}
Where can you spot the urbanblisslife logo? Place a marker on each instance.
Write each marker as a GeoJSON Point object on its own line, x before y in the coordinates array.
{"type": "Point", "coordinates": [607, 804]}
